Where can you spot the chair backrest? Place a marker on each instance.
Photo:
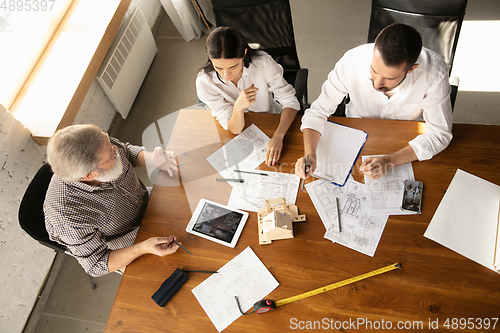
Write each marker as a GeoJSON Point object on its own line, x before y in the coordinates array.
{"type": "Point", "coordinates": [266, 22]}
{"type": "Point", "coordinates": [438, 21]}
{"type": "Point", "coordinates": [31, 217]}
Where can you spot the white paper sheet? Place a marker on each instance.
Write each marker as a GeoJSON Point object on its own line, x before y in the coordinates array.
{"type": "Point", "coordinates": [251, 194]}
{"type": "Point", "coordinates": [245, 152]}
{"type": "Point", "coordinates": [386, 192]}
{"type": "Point", "coordinates": [244, 276]}
{"type": "Point", "coordinates": [466, 219]}
{"type": "Point", "coordinates": [360, 231]}
{"type": "Point", "coordinates": [337, 151]}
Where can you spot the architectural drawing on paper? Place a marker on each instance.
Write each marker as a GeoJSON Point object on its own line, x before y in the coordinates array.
{"type": "Point", "coordinates": [326, 193]}
{"type": "Point", "coordinates": [244, 276]}
{"type": "Point", "coordinates": [246, 152]}
{"type": "Point", "coordinates": [386, 192]}
{"type": "Point", "coordinates": [251, 194]}
{"type": "Point", "coordinates": [360, 231]}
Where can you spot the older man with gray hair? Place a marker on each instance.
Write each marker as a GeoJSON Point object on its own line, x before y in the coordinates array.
{"type": "Point", "coordinates": [95, 201]}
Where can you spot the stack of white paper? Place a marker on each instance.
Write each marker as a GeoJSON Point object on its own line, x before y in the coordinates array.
{"type": "Point", "coordinates": [466, 220]}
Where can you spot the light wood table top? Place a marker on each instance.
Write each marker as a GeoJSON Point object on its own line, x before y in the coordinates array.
{"type": "Point", "coordinates": [435, 283]}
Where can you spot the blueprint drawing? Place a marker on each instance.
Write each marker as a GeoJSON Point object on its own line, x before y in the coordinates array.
{"type": "Point", "coordinates": [245, 152]}
{"type": "Point", "coordinates": [246, 277]}
{"type": "Point", "coordinates": [360, 231]}
{"type": "Point", "coordinates": [386, 192]}
{"type": "Point", "coordinates": [251, 194]}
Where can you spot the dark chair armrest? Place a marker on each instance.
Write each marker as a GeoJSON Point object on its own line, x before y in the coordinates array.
{"type": "Point", "coordinates": [454, 82]}
{"type": "Point", "coordinates": [301, 82]}
{"type": "Point", "coordinates": [453, 96]}
{"type": "Point", "coordinates": [301, 87]}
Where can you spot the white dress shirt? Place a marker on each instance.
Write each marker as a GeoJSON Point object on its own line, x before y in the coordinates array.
{"type": "Point", "coordinates": [266, 74]}
{"type": "Point", "coordinates": [423, 95]}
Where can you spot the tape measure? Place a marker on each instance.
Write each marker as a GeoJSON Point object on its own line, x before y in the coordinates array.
{"type": "Point", "coordinates": [267, 305]}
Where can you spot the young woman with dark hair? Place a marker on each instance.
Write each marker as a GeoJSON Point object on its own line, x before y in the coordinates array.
{"type": "Point", "coordinates": [237, 79]}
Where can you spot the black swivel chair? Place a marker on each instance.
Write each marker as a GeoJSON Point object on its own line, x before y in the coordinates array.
{"type": "Point", "coordinates": [438, 21]}
{"type": "Point", "coordinates": [31, 216]}
{"type": "Point", "coordinates": [267, 23]}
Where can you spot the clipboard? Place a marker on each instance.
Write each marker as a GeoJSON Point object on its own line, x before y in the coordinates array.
{"type": "Point", "coordinates": [338, 149]}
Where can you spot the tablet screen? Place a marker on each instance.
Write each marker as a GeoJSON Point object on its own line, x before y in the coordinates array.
{"type": "Point", "coordinates": [217, 222]}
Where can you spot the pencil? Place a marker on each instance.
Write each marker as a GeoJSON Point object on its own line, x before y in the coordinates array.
{"type": "Point", "coordinates": [304, 180]}
{"type": "Point", "coordinates": [252, 173]}
{"type": "Point", "coordinates": [230, 180]}
{"type": "Point", "coordinates": [182, 247]}
{"type": "Point", "coordinates": [338, 214]}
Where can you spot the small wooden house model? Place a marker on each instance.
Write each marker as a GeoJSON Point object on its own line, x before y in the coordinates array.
{"type": "Point", "coordinates": [276, 220]}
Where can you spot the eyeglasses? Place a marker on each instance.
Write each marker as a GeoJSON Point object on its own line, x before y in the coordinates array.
{"type": "Point", "coordinates": [114, 152]}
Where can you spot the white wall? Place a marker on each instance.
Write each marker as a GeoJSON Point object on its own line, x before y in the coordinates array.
{"type": "Point", "coordinates": [24, 263]}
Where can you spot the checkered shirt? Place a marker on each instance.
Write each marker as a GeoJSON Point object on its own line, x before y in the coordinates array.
{"type": "Point", "coordinates": [90, 221]}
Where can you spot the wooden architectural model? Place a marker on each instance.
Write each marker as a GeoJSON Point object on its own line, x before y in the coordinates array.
{"type": "Point", "coordinates": [276, 220]}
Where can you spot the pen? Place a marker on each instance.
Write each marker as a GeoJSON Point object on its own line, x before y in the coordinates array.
{"type": "Point", "coordinates": [198, 271]}
{"type": "Point", "coordinates": [338, 214]}
{"type": "Point", "coordinates": [305, 171]}
{"type": "Point", "coordinates": [182, 247]}
{"type": "Point", "coordinates": [230, 180]}
{"type": "Point", "coordinates": [253, 173]}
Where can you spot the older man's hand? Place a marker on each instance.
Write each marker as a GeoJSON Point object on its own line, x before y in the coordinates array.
{"type": "Point", "coordinates": [160, 246]}
{"type": "Point", "coordinates": [165, 160]}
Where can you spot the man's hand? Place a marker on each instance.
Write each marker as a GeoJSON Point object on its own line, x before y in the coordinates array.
{"type": "Point", "coordinates": [246, 98]}
{"type": "Point", "coordinates": [374, 167]}
{"type": "Point", "coordinates": [160, 246]}
{"type": "Point", "coordinates": [273, 151]}
{"type": "Point", "coordinates": [300, 166]}
{"type": "Point", "coordinates": [165, 160]}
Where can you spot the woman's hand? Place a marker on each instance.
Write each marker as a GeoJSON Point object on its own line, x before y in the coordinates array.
{"type": "Point", "coordinates": [274, 147]}
{"type": "Point", "coordinates": [247, 97]}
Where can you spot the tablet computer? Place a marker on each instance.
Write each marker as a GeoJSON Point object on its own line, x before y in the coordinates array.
{"type": "Point", "coordinates": [217, 222]}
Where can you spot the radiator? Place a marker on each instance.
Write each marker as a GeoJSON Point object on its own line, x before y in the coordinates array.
{"type": "Point", "coordinates": [127, 63]}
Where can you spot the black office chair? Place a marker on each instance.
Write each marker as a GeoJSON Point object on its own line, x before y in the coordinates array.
{"type": "Point", "coordinates": [268, 24]}
{"type": "Point", "coordinates": [31, 216]}
{"type": "Point", "coordinates": [438, 21]}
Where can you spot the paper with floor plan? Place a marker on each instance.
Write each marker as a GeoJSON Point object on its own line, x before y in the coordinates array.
{"type": "Point", "coordinates": [466, 220]}
{"type": "Point", "coordinates": [245, 152]}
{"type": "Point", "coordinates": [246, 277]}
{"type": "Point", "coordinates": [386, 192]}
{"type": "Point", "coordinates": [251, 194]}
{"type": "Point", "coordinates": [359, 230]}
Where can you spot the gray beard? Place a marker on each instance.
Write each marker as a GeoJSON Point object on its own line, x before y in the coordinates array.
{"type": "Point", "coordinates": [113, 173]}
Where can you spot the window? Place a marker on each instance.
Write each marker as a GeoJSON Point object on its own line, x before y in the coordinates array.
{"type": "Point", "coordinates": [26, 27]}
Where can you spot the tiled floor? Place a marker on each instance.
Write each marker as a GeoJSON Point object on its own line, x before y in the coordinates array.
{"type": "Point", "coordinates": [324, 30]}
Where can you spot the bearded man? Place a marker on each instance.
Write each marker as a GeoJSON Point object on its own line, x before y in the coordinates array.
{"type": "Point", "coordinates": [95, 201]}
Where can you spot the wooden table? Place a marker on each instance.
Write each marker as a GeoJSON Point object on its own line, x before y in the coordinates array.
{"type": "Point", "coordinates": [435, 284]}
